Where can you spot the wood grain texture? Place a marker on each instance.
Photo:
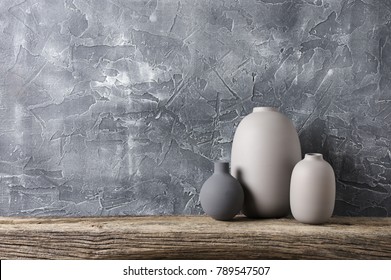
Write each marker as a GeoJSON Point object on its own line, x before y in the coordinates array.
{"type": "Point", "coordinates": [193, 237]}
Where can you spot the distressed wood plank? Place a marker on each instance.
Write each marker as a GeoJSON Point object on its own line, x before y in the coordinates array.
{"type": "Point", "coordinates": [193, 237]}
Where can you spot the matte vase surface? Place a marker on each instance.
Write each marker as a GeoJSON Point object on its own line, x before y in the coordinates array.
{"type": "Point", "coordinates": [312, 195]}
{"type": "Point", "coordinates": [221, 195]}
{"type": "Point", "coordinates": [265, 149]}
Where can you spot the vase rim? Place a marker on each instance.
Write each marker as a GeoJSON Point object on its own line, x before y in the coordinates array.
{"type": "Point", "coordinates": [314, 156]}
{"type": "Point", "coordinates": [264, 109]}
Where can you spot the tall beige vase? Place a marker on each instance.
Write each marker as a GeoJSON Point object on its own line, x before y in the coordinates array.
{"type": "Point", "coordinates": [265, 149]}
{"type": "Point", "coordinates": [312, 195]}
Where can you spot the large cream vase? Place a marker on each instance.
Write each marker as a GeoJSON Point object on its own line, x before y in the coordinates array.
{"type": "Point", "coordinates": [265, 149]}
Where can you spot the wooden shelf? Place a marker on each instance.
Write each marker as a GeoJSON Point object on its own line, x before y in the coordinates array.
{"type": "Point", "coordinates": [193, 237]}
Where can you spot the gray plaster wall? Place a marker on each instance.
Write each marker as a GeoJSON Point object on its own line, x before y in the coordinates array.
{"type": "Point", "coordinates": [116, 107]}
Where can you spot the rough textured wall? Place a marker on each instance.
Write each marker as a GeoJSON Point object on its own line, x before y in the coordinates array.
{"type": "Point", "coordinates": [116, 107]}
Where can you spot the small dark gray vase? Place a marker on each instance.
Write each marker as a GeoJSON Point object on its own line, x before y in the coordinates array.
{"type": "Point", "coordinates": [221, 195]}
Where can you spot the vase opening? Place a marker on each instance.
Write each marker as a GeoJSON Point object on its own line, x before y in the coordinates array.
{"type": "Point", "coordinates": [314, 156]}
{"type": "Point", "coordinates": [264, 109]}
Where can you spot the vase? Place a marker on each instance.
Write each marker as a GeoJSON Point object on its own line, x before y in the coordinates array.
{"type": "Point", "coordinates": [312, 196]}
{"type": "Point", "coordinates": [265, 149]}
{"type": "Point", "coordinates": [221, 195]}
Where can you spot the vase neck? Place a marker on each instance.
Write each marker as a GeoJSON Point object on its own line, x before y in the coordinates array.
{"type": "Point", "coordinates": [313, 156]}
{"type": "Point", "coordinates": [221, 167]}
{"type": "Point", "coordinates": [264, 109]}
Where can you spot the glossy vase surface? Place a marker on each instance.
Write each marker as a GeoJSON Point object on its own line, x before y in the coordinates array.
{"type": "Point", "coordinates": [312, 196]}
{"type": "Point", "coordinates": [221, 195]}
{"type": "Point", "coordinates": [265, 149]}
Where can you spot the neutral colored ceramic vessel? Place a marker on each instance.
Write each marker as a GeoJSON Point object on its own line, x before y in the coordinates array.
{"type": "Point", "coordinates": [221, 195]}
{"type": "Point", "coordinates": [312, 194]}
{"type": "Point", "coordinates": [265, 149]}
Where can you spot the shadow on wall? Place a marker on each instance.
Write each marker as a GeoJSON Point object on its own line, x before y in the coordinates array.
{"type": "Point", "coordinates": [354, 195]}
{"type": "Point", "coordinates": [350, 119]}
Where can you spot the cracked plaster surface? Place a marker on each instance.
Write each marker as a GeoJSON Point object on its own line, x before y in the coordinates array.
{"type": "Point", "coordinates": [116, 107]}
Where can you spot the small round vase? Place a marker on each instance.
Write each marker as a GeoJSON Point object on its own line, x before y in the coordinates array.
{"type": "Point", "coordinates": [312, 194]}
{"type": "Point", "coordinates": [221, 195]}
